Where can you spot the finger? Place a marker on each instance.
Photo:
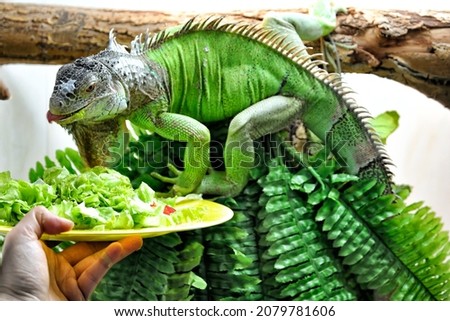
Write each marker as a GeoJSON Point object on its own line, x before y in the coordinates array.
{"type": "Point", "coordinates": [127, 245]}
{"type": "Point", "coordinates": [63, 284]}
{"type": "Point", "coordinates": [82, 250]}
{"type": "Point", "coordinates": [94, 269]}
{"type": "Point", "coordinates": [130, 244]}
{"type": "Point", "coordinates": [71, 291]}
{"type": "Point", "coordinates": [38, 221]}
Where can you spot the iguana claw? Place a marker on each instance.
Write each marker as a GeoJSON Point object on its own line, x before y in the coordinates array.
{"type": "Point", "coordinates": [177, 189]}
{"type": "Point", "coordinates": [165, 179]}
{"type": "Point", "coordinates": [174, 170]}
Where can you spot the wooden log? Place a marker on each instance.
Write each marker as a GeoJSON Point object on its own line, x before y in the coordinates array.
{"type": "Point", "coordinates": [56, 34]}
{"type": "Point", "coordinates": [410, 47]}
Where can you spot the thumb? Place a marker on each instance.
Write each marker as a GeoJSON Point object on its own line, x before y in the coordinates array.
{"type": "Point", "coordinates": [39, 221]}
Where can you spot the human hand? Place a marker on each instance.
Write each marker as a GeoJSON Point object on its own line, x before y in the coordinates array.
{"type": "Point", "coordinates": [33, 271]}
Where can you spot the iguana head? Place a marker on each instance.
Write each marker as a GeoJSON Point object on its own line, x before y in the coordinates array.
{"type": "Point", "coordinates": [86, 91]}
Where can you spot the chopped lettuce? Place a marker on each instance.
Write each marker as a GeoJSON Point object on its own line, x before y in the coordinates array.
{"type": "Point", "coordinates": [99, 198]}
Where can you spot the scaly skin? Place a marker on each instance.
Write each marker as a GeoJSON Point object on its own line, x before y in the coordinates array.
{"type": "Point", "coordinates": [207, 72]}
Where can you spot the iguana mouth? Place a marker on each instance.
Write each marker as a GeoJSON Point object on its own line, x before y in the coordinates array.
{"type": "Point", "coordinates": [60, 118]}
{"type": "Point", "coordinates": [52, 117]}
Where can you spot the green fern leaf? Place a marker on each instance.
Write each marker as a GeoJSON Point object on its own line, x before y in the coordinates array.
{"type": "Point", "coordinates": [297, 262]}
{"type": "Point", "coordinates": [231, 260]}
{"type": "Point", "coordinates": [359, 222]}
{"type": "Point", "coordinates": [159, 271]}
{"type": "Point", "coordinates": [309, 233]}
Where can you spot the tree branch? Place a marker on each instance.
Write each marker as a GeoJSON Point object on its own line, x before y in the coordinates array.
{"type": "Point", "coordinates": [409, 47]}
{"type": "Point", "coordinates": [412, 48]}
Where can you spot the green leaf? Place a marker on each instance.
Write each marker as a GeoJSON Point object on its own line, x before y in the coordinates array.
{"type": "Point", "coordinates": [197, 282]}
{"type": "Point", "coordinates": [299, 233]}
{"type": "Point", "coordinates": [297, 263]}
{"type": "Point", "coordinates": [385, 124]}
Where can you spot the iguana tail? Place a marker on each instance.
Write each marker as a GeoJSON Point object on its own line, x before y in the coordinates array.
{"type": "Point", "coordinates": [348, 133]}
{"type": "Point", "coordinates": [331, 113]}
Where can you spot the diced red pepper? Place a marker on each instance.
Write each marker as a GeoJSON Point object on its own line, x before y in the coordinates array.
{"type": "Point", "coordinates": [168, 210]}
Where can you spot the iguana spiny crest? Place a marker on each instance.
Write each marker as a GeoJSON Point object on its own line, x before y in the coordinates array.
{"type": "Point", "coordinates": [175, 82]}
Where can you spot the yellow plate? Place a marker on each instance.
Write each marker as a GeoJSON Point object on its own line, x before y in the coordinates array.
{"type": "Point", "coordinates": [214, 214]}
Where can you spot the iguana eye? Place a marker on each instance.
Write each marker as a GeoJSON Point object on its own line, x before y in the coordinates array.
{"type": "Point", "coordinates": [90, 88]}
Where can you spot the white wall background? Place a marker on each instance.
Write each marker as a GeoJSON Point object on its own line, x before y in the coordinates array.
{"type": "Point", "coordinates": [420, 148]}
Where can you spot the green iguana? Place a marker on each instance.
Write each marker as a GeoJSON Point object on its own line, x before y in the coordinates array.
{"type": "Point", "coordinates": [175, 83]}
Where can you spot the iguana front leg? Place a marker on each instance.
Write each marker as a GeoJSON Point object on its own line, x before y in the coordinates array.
{"type": "Point", "coordinates": [196, 158]}
{"type": "Point", "coordinates": [267, 116]}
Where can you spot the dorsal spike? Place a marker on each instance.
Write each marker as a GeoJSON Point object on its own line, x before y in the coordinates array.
{"type": "Point", "coordinates": [250, 31]}
{"type": "Point", "coordinates": [279, 43]}
{"type": "Point", "coordinates": [113, 44]}
{"type": "Point", "coordinates": [317, 55]}
{"type": "Point", "coordinates": [187, 26]}
{"type": "Point", "coordinates": [214, 24]}
{"type": "Point", "coordinates": [295, 51]}
{"type": "Point", "coordinates": [136, 45]}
